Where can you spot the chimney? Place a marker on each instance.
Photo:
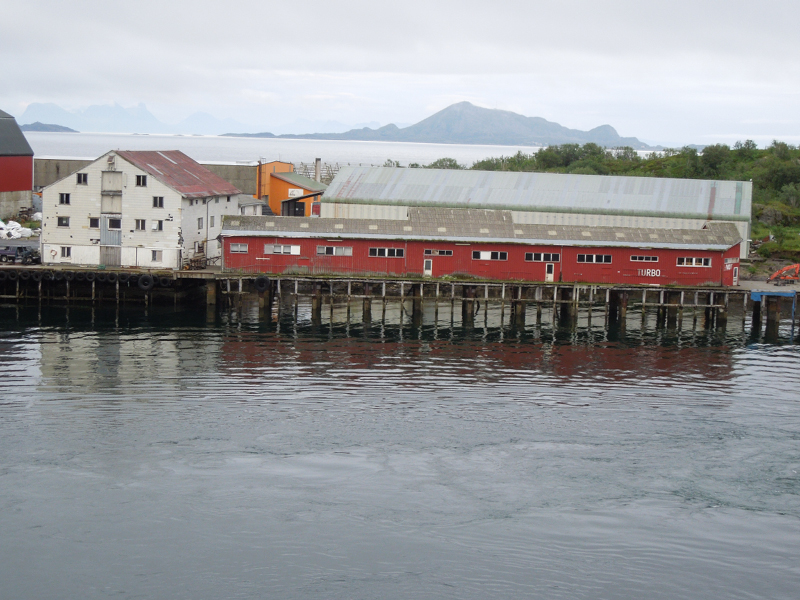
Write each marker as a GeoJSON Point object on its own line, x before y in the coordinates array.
{"type": "Point", "coordinates": [317, 168]}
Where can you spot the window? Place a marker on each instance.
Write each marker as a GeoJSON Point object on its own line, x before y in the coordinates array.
{"type": "Point", "coordinates": [83, 179]}
{"type": "Point", "coordinates": [63, 198]}
{"type": "Point", "coordinates": [141, 225]}
{"type": "Point", "coordinates": [438, 253]}
{"type": "Point", "coordinates": [542, 256]}
{"type": "Point", "coordinates": [94, 223]}
{"type": "Point", "coordinates": [66, 251]}
{"type": "Point", "coordinates": [229, 198]}
{"type": "Point", "coordinates": [265, 211]}
{"type": "Point", "coordinates": [158, 225]}
{"type": "Point", "coordinates": [156, 256]}
{"type": "Point", "coordinates": [335, 250]}
{"type": "Point", "coordinates": [211, 221]}
{"type": "Point", "coordinates": [388, 252]}
{"type": "Point", "coordinates": [141, 181]}
{"type": "Point", "coordinates": [486, 255]}
{"type": "Point", "coordinates": [281, 249]}
{"type": "Point", "coordinates": [644, 258]}
{"type": "Point", "coordinates": [239, 248]}
{"type": "Point", "coordinates": [693, 261]}
{"type": "Point", "coordinates": [216, 199]}
{"type": "Point", "coordinates": [200, 223]}
{"type": "Point", "coordinates": [158, 201]}
{"type": "Point", "coordinates": [199, 248]}
{"type": "Point", "coordinates": [594, 258]}
{"type": "Point", "coordinates": [115, 223]}
{"type": "Point", "coordinates": [63, 221]}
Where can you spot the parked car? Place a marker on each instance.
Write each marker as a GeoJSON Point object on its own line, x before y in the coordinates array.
{"type": "Point", "coordinates": [27, 254]}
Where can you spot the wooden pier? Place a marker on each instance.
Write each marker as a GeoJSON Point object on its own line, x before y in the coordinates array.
{"type": "Point", "coordinates": [560, 302]}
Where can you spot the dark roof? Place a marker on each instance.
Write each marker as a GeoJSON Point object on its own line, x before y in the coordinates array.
{"type": "Point", "coordinates": [12, 140]}
{"type": "Point", "coordinates": [301, 181]}
{"type": "Point", "coordinates": [474, 225]}
{"type": "Point", "coordinates": [181, 173]}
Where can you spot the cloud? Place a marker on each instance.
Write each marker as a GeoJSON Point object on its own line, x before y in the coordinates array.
{"type": "Point", "coordinates": [673, 71]}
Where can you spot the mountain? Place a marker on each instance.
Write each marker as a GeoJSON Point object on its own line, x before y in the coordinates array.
{"type": "Point", "coordinates": [107, 118]}
{"type": "Point", "coordinates": [47, 127]}
{"type": "Point", "coordinates": [465, 123]}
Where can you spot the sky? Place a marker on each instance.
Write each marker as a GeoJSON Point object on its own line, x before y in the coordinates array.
{"type": "Point", "coordinates": [669, 73]}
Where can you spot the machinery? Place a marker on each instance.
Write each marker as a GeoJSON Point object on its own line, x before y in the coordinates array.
{"type": "Point", "coordinates": [785, 275]}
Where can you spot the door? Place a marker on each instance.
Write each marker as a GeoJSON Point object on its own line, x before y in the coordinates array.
{"type": "Point", "coordinates": [427, 268]}
{"type": "Point", "coordinates": [549, 272]}
{"type": "Point", "coordinates": [735, 275]}
{"type": "Point", "coordinates": [111, 256]}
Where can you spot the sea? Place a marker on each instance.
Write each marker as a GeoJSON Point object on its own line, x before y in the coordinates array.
{"type": "Point", "coordinates": [195, 454]}
{"type": "Point", "coordinates": [210, 149]}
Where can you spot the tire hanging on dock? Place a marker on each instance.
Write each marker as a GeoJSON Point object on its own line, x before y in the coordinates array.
{"type": "Point", "coordinates": [12, 275]}
{"type": "Point", "coordinates": [48, 276]}
{"type": "Point", "coordinates": [146, 282]}
{"type": "Point", "coordinates": [69, 275]}
{"type": "Point", "coordinates": [111, 277]}
{"type": "Point", "coordinates": [36, 275]}
{"type": "Point", "coordinates": [102, 277]}
{"type": "Point", "coordinates": [80, 276]}
{"type": "Point", "coordinates": [90, 276]}
{"type": "Point", "coordinates": [164, 281]}
{"type": "Point", "coordinates": [262, 284]}
{"type": "Point", "coordinates": [24, 275]}
{"type": "Point", "coordinates": [3, 275]}
{"type": "Point", "coordinates": [123, 277]}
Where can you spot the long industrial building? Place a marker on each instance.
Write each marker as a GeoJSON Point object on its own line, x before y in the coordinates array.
{"type": "Point", "coordinates": [543, 198]}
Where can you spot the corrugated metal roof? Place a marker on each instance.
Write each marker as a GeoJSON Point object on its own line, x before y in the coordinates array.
{"type": "Point", "coordinates": [12, 140]}
{"type": "Point", "coordinates": [473, 225]}
{"type": "Point", "coordinates": [301, 181]}
{"type": "Point", "coordinates": [546, 192]}
{"type": "Point", "coordinates": [181, 173]}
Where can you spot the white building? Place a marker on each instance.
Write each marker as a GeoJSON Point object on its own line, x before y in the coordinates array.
{"type": "Point", "coordinates": [136, 209]}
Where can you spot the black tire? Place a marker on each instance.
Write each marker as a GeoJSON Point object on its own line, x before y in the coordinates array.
{"type": "Point", "coordinates": [69, 275]}
{"type": "Point", "coordinates": [12, 275]}
{"type": "Point", "coordinates": [3, 275]}
{"type": "Point", "coordinates": [36, 275]}
{"type": "Point", "coordinates": [102, 277]}
{"type": "Point", "coordinates": [58, 275]}
{"type": "Point", "coordinates": [91, 276]}
{"type": "Point", "coordinates": [123, 277]}
{"type": "Point", "coordinates": [164, 281]}
{"type": "Point", "coordinates": [80, 276]}
{"type": "Point", "coordinates": [48, 276]}
{"type": "Point", "coordinates": [262, 284]}
{"type": "Point", "coordinates": [146, 282]}
{"type": "Point", "coordinates": [3, 258]}
{"type": "Point", "coordinates": [111, 277]}
{"type": "Point", "coordinates": [24, 275]}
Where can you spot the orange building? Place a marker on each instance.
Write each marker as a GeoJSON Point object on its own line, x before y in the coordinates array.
{"type": "Point", "coordinates": [285, 192]}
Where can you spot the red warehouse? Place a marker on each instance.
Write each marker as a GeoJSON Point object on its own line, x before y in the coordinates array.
{"type": "Point", "coordinates": [485, 244]}
{"type": "Point", "coordinates": [16, 168]}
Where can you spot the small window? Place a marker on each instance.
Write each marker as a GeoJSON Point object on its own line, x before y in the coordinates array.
{"type": "Point", "coordinates": [594, 258]}
{"type": "Point", "coordinates": [66, 251]}
{"type": "Point", "coordinates": [216, 199]}
{"type": "Point", "coordinates": [94, 223]}
{"type": "Point", "coordinates": [141, 181]}
{"type": "Point", "coordinates": [387, 252]}
{"type": "Point", "coordinates": [265, 210]}
{"type": "Point", "coordinates": [63, 198]}
{"type": "Point", "coordinates": [63, 221]}
{"type": "Point", "coordinates": [156, 256]}
{"type": "Point", "coordinates": [438, 252]}
{"type": "Point", "coordinates": [335, 250]}
{"type": "Point", "coordinates": [141, 225]}
{"type": "Point", "coordinates": [640, 258]}
{"type": "Point", "coordinates": [693, 261]}
{"type": "Point", "coordinates": [281, 249]}
{"type": "Point", "coordinates": [488, 255]}
{"type": "Point", "coordinates": [200, 223]}
{"type": "Point", "coordinates": [229, 198]}
{"type": "Point", "coordinates": [158, 201]}
{"type": "Point", "coordinates": [158, 225]}
{"type": "Point", "coordinates": [115, 223]}
{"type": "Point", "coordinates": [239, 248]}
{"type": "Point", "coordinates": [211, 221]}
{"type": "Point", "coordinates": [83, 178]}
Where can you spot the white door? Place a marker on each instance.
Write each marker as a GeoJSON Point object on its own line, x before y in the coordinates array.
{"type": "Point", "coordinates": [735, 275]}
{"type": "Point", "coordinates": [427, 269]}
{"type": "Point", "coordinates": [550, 269]}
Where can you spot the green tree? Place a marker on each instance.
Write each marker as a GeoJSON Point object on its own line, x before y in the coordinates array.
{"type": "Point", "coordinates": [714, 158]}
{"type": "Point", "coordinates": [445, 163]}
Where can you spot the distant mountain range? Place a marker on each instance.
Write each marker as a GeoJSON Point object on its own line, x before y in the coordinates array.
{"type": "Point", "coordinates": [465, 123]}
{"type": "Point", "coordinates": [461, 123]}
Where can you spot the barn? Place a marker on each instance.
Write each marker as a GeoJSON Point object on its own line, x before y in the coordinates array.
{"type": "Point", "coordinates": [543, 198]}
{"type": "Point", "coordinates": [485, 244]}
{"type": "Point", "coordinates": [16, 168]}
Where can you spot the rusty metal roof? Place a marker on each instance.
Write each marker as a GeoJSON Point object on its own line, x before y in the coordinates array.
{"type": "Point", "coordinates": [176, 170]}
{"type": "Point", "coordinates": [474, 225]}
{"type": "Point", "coordinates": [12, 140]}
{"type": "Point", "coordinates": [544, 192]}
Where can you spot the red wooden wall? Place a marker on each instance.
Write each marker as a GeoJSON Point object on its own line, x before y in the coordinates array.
{"type": "Point", "coordinates": [16, 173]}
{"type": "Point", "coordinates": [621, 270]}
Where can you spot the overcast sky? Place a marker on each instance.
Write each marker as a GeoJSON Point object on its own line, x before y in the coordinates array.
{"type": "Point", "coordinates": [670, 72]}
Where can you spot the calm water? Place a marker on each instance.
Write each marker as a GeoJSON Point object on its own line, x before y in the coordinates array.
{"type": "Point", "coordinates": [229, 149]}
{"type": "Point", "coordinates": [164, 455]}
